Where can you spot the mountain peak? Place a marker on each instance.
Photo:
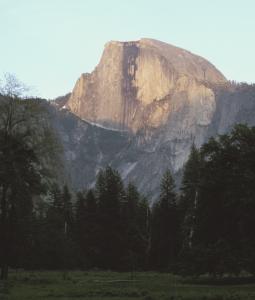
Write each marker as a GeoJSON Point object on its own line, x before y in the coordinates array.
{"type": "Point", "coordinates": [139, 84]}
{"type": "Point", "coordinates": [184, 61]}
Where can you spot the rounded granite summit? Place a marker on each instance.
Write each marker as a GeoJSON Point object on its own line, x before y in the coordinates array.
{"type": "Point", "coordinates": [141, 83]}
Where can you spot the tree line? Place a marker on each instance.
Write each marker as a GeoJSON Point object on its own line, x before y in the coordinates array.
{"type": "Point", "coordinates": [205, 226]}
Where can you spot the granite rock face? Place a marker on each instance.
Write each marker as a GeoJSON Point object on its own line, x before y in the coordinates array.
{"type": "Point", "coordinates": [143, 83]}
{"type": "Point", "coordinates": [141, 109]}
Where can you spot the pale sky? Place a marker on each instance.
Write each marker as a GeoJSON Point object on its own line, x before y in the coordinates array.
{"type": "Point", "coordinates": [49, 43]}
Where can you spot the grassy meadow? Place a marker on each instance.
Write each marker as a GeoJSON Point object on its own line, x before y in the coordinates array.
{"type": "Point", "coordinates": [118, 286]}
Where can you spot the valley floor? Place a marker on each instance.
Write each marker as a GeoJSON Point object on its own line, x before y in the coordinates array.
{"type": "Point", "coordinates": [118, 286]}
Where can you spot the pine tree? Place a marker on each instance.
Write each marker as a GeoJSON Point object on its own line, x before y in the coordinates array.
{"type": "Point", "coordinates": [143, 223]}
{"type": "Point", "coordinates": [165, 231]}
{"type": "Point", "coordinates": [87, 231]}
{"type": "Point", "coordinates": [189, 196]}
{"type": "Point", "coordinates": [110, 196]}
{"type": "Point", "coordinates": [223, 222]}
{"type": "Point", "coordinates": [134, 220]}
{"type": "Point", "coordinates": [67, 209]}
{"type": "Point", "coordinates": [59, 246]}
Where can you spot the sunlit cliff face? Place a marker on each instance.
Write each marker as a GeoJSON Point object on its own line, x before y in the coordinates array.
{"type": "Point", "coordinates": [144, 83]}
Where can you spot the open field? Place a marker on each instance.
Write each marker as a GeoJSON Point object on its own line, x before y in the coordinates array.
{"type": "Point", "coordinates": [111, 285]}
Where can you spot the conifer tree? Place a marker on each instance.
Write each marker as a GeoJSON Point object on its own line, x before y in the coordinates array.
{"type": "Point", "coordinates": [110, 196]}
{"type": "Point", "coordinates": [59, 244]}
{"type": "Point", "coordinates": [87, 233]}
{"type": "Point", "coordinates": [165, 231]}
{"type": "Point", "coordinates": [67, 209]}
{"type": "Point", "coordinates": [135, 232]}
{"type": "Point", "coordinates": [225, 197]}
{"type": "Point", "coordinates": [189, 196]}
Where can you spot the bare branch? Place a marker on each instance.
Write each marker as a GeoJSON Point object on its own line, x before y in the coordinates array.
{"type": "Point", "coordinates": [10, 86]}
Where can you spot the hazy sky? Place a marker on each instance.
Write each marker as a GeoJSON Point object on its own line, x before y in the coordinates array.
{"type": "Point", "coordinates": [49, 43]}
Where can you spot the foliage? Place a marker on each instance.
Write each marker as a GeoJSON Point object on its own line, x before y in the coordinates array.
{"type": "Point", "coordinates": [112, 285]}
{"type": "Point", "coordinates": [223, 235]}
{"type": "Point", "coordinates": [165, 227]}
{"type": "Point", "coordinates": [22, 171]}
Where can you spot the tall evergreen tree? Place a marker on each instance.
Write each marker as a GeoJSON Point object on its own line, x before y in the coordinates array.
{"type": "Point", "coordinates": [57, 241]}
{"type": "Point", "coordinates": [135, 214]}
{"type": "Point", "coordinates": [87, 229]}
{"type": "Point", "coordinates": [226, 194]}
{"type": "Point", "coordinates": [189, 196]}
{"type": "Point", "coordinates": [165, 240]}
{"type": "Point", "coordinates": [67, 209]}
{"type": "Point", "coordinates": [143, 223]}
{"type": "Point", "coordinates": [110, 196]}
